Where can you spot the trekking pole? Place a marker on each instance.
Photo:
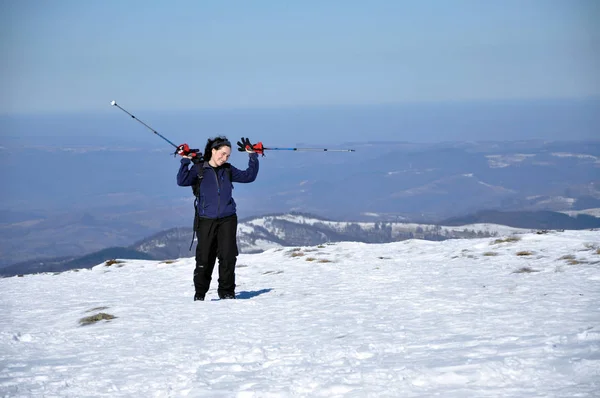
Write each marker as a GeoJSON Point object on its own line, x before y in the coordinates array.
{"type": "Point", "coordinates": [310, 149]}
{"type": "Point", "coordinates": [303, 149]}
{"type": "Point", "coordinates": [114, 103]}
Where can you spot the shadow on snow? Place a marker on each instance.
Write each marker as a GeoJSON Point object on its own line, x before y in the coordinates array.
{"type": "Point", "coordinates": [249, 295]}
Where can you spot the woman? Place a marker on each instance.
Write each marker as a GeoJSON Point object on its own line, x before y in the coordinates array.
{"type": "Point", "coordinates": [216, 226]}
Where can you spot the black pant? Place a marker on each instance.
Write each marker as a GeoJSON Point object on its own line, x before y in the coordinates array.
{"type": "Point", "coordinates": [216, 239]}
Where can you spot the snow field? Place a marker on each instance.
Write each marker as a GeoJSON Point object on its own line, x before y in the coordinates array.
{"type": "Point", "coordinates": [458, 318]}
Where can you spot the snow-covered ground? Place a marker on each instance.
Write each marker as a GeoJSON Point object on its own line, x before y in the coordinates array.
{"type": "Point", "coordinates": [459, 318]}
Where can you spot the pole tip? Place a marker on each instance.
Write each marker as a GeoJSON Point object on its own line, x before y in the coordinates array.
{"type": "Point", "coordinates": [113, 103]}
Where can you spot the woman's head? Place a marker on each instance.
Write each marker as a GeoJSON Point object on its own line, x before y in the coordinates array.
{"type": "Point", "coordinates": [217, 151]}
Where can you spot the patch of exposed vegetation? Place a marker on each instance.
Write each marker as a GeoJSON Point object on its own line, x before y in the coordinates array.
{"type": "Point", "coordinates": [324, 260]}
{"type": "Point", "coordinates": [168, 261]}
{"type": "Point", "coordinates": [90, 320]}
{"type": "Point", "coordinates": [321, 246]}
{"type": "Point", "coordinates": [508, 239]}
{"type": "Point", "coordinates": [524, 253]}
{"type": "Point", "coordinates": [108, 263]}
{"type": "Point", "coordinates": [525, 270]}
{"type": "Point", "coordinates": [567, 257]}
{"type": "Point", "coordinates": [490, 254]}
{"type": "Point", "coordinates": [570, 259]}
{"type": "Point", "coordinates": [310, 259]}
{"type": "Point", "coordinates": [297, 254]}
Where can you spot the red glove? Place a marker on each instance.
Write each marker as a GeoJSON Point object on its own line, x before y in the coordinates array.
{"type": "Point", "coordinates": [183, 150]}
{"type": "Point", "coordinates": [245, 145]}
{"type": "Point", "coordinates": [257, 148]}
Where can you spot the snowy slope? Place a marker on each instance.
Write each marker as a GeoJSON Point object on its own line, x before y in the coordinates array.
{"type": "Point", "coordinates": [458, 318]}
{"type": "Point", "coordinates": [266, 222]}
{"type": "Point", "coordinates": [266, 232]}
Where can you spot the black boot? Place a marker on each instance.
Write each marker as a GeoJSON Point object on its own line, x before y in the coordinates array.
{"type": "Point", "coordinates": [198, 297]}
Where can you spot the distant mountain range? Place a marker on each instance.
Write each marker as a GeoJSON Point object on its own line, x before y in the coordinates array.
{"type": "Point", "coordinates": [261, 233]}
{"type": "Point", "coordinates": [133, 193]}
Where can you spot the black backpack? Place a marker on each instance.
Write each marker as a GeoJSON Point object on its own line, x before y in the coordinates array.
{"type": "Point", "coordinates": [196, 192]}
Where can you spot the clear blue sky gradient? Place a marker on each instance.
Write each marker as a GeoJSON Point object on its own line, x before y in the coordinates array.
{"type": "Point", "coordinates": [64, 56]}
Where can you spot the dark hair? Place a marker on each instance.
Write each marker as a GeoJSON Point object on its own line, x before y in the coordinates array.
{"type": "Point", "coordinates": [215, 143]}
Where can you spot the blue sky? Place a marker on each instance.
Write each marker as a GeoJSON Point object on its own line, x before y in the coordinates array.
{"type": "Point", "coordinates": [64, 55]}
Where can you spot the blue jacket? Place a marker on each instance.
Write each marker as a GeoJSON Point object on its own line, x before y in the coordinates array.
{"type": "Point", "coordinates": [216, 200]}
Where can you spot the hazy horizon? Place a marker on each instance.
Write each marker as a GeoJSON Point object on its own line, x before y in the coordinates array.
{"type": "Point", "coordinates": [500, 120]}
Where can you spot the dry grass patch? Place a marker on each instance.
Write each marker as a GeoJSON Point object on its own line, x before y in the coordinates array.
{"type": "Point", "coordinates": [524, 253]}
{"type": "Point", "coordinates": [90, 320]}
{"type": "Point", "coordinates": [490, 254]}
{"type": "Point", "coordinates": [525, 270]}
{"type": "Point", "coordinates": [321, 246]}
{"type": "Point", "coordinates": [567, 257]}
{"type": "Point", "coordinates": [296, 252]}
{"type": "Point", "coordinates": [570, 259]}
{"type": "Point", "coordinates": [509, 239]}
{"type": "Point", "coordinates": [108, 263]}
{"type": "Point", "coordinates": [324, 260]}
{"type": "Point", "coordinates": [168, 262]}
{"type": "Point", "coordinates": [310, 259]}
